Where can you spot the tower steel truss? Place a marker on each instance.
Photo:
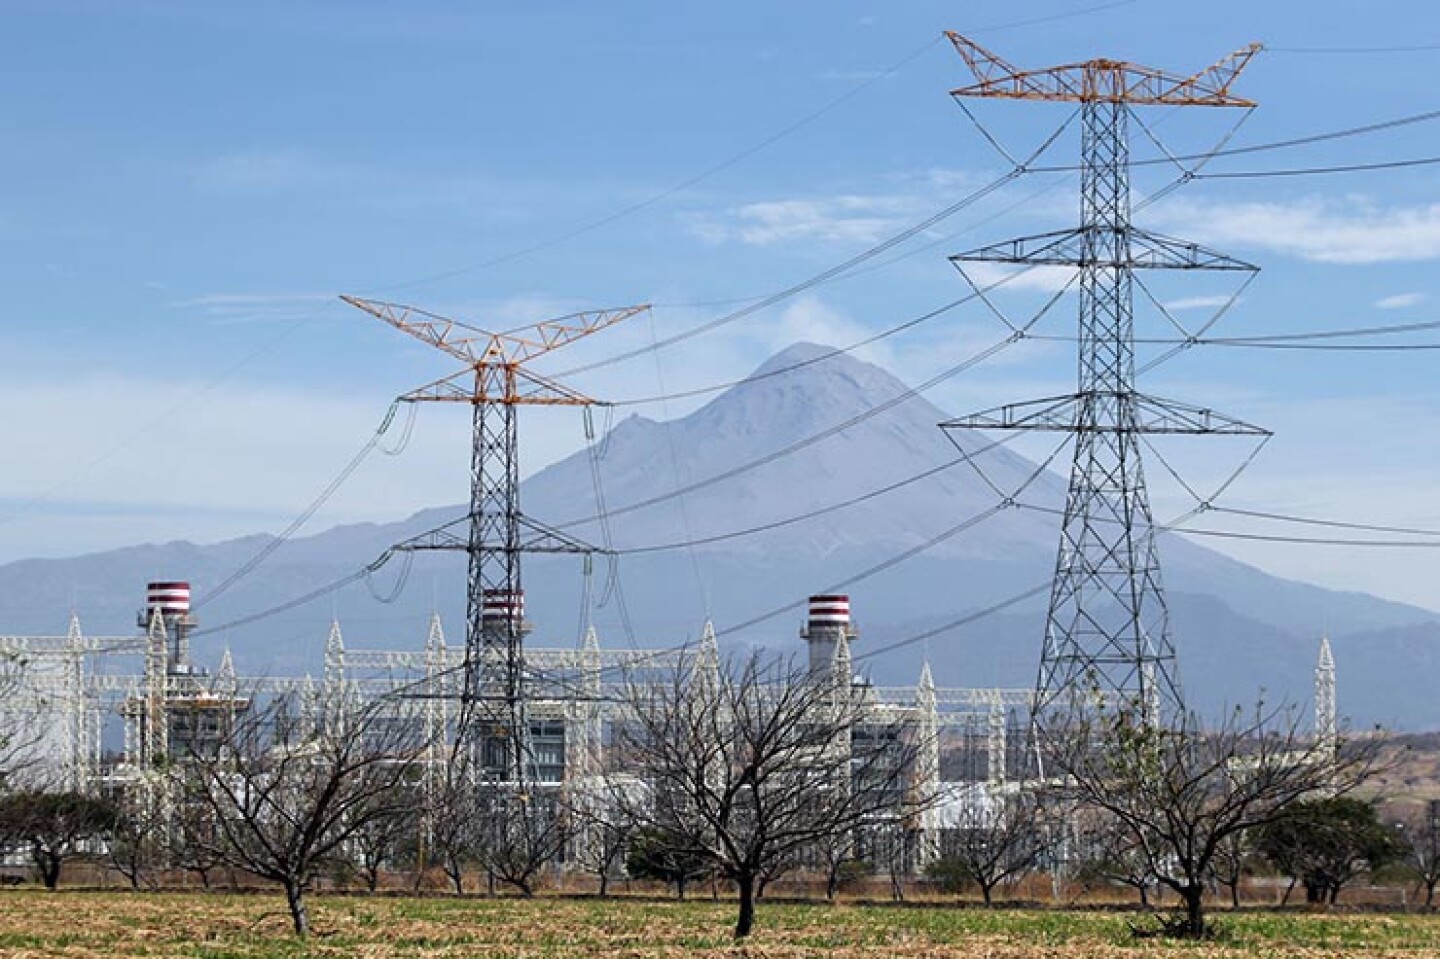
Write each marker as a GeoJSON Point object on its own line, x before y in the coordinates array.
{"type": "Point", "coordinates": [495, 382]}
{"type": "Point", "coordinates": [1107, 639]}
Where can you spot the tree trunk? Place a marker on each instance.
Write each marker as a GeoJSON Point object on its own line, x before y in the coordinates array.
{"type": "Point", "coordinates": [604, 883]}
{"type": "Point", "coordinates": [48, 864]}
{"type": "Point", "coordinates": [1144, 894]}
{"type": "Point", "coordinates": [1288, 890]}
{"type": "Point", "coordinates": [986, 888]}
{"type": "Point", "coordinates": [897, 887]}
{"type": "Point", "coordinates": [746, 920]}
{"type": "Point", "coordinates": [1193, 896]}
{"type": "Point", "coordinates": [1430, 895]}
{"type": "Point", "coordinates": [299, 912]}
{"type": "Point", "coordinates": [680, 888]}
{"type": "Point", "coordinates": [1235, 894]}
{"type": "Point", "coordinates": [832, 883]}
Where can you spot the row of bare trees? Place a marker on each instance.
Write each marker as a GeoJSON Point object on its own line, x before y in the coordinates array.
{"type": "Point", "coordinates": [738, 771]}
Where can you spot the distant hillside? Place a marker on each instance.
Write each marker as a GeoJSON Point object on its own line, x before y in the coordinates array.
{"type": "Point", "coordinates": [1236, 627]}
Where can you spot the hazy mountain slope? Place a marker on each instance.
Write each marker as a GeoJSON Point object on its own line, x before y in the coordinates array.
{"type": "Point", "coordinates": [1236, 627]}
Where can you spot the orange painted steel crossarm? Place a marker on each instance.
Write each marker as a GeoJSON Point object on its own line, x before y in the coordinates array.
{"type": "Point", "coordinates": [474, 346]}
{"type": "Point", "coordinates": [1102, 80]}
{"type": "Point", "coordinates": [506, 383]}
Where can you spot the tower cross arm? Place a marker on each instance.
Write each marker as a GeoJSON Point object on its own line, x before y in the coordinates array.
{"type": "Point", "coordinates": [1102, 80]}
{"type": "Point", "coordinates": [475, 346]}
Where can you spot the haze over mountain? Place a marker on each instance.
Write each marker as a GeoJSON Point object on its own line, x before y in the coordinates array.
{"type": "Point", "coordinates": [1236, 628]}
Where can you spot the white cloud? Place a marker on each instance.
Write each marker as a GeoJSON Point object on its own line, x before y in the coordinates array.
{"type": "Point", "coordinates": [810, 319]}
{"type": "Point", "coordinates": [223, 309]}
{"type": "Point", "coordinates": [1325, 231]}
{"type": "Point", "coordinates": [1197, 303]}
{"type": "Point", "coordinates": [1400, 301]}
{"type": "Point", "coordinates": [994, 278]}
{"type": "Point", "coordinates": [263, 171]}
{"type": "Point", "coordinates": [844, 218]}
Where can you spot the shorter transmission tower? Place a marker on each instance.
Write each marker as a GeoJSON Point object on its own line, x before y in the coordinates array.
{"type": "Point", "coordinates": [495, 383]}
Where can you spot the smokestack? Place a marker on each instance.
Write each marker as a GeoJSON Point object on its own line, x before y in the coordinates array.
{"type": "Point", "coordinates": [501, 608]}
{"type": "Point", "coordinates": [171, 601]}
{"type": "Point", "coordinates": [827, 626]}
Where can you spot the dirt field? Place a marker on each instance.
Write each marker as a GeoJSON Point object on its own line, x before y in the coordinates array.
{"type": "Point", "coordinates": [92, 924]}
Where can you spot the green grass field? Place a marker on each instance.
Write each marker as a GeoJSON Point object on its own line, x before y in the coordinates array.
{"type": "Point", "coordinates": [217, 926]}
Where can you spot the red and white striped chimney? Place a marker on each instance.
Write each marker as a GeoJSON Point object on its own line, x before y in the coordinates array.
{"type": "Point", "coordinates": [501, 606]}
{"type": "Point", "coordinates": [170, 598]}
{"type": "Point", "coordinates": [829, 612]}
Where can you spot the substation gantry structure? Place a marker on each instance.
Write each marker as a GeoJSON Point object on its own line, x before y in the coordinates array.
{"type": "Point", "coordinates": [495, 383]}
{"type": "Point", "coordinates": [1107, 639]}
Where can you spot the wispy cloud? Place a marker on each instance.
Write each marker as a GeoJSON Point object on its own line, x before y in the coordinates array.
{"type": "Point", "coordinates": [267, 170]}
{"type": "Point", "coordinates": [844, 218]}
{"type": "Point", "coordinates": [1041, 279]}
{"type": "Point", "coordinates": [1197, 303]}
{"type": "Point", "coordinates": [1326, 231]}
{"type": "Point", "coordinates": [223, 309]}
{"type": "Point", "coordinates": [1400, 301]}
{"type": "Point", "coordinates": [851, 75]}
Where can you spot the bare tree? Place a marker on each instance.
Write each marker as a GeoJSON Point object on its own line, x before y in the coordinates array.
{"type": "Point", "coordinates": [1182, 791]}
{"type": "Point", "coordinates": [23, 725]}
{"type": "Point", "coordinates": [194, 839]}
{"type": "Point", "coordinates": [601, 834]}
{"type": "Point", "coordinates": [137, 841]}
{"type": "Point", "coordinates": [1233, 858]}
{"type": "Point", "coordinates": [990, 842]}
{"type": "Point", "coordinates": [377, 840]}
{"type": "Point", "coordinates": [651, 856]}
{"type": "Point", "coordinates": [1106, 850]}
{"type": "Point", "coordinates": [1422, 848]}
{"type": "Point", "coordinates": [747, 762]}
{"type": "Point", "coordinates": [280, 809]}
{"type": "Point", "coordinates": [837, 858]}
{"type": "Point", "coordinates": [523, 828]}
{"type": "Point", "coordinates": [452, 820]}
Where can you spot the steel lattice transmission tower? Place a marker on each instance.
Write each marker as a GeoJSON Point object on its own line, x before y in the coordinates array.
{"type": "Point", "coordinates": [496, 383]}
{"type": "Point", "coordinates": [1107, 633]}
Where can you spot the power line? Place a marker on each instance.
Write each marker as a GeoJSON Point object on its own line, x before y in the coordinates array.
{"type": "Point", "coordinates": [1052, 18]}
{"type": "Point", "coordinates": [860, 344]}
{"type": "Point", "coordinates": [1307, 140]}
{"type": "Point", "coordinates": [1409, 48]}
{"type": "Point", "coordinates": [1336, 524]}
{"type": "Point", "coordinates": [308, 512]}
{"type": "Point", "coordinates": [818, 512]}
{"type": "Point", "coordinates": [803, 285]}
{"type": "Point", "coordinates": [682, 186]}
{"type": "Point", "coordinates": [1321, 170]}
{"type": "Point", "coordinates": [814, 438]}
{"type": "Point", "coordinates": [301, 600]}
{"type": "Point", "coordinates": [1308, 540]}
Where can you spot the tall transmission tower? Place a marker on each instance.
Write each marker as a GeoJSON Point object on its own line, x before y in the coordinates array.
{"type": "Point", "coordinates": [496, 383]}
{"type": "Point", "coordinates": [1107, 638]}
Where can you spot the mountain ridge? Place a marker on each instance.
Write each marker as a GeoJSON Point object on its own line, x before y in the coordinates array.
{"type": "Point", "coordinates": [1235, 622]}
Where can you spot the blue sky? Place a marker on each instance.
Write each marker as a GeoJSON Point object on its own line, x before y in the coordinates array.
{"type": "Point", "coordinates": [184, 188]}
